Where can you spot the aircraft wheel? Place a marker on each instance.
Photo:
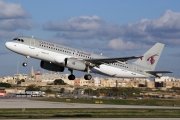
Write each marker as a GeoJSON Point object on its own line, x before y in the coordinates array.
{"type": "Point", "coordinates": [71, 77]}
{"type": "Point", "coordinates": [87, 77]}
{"type": "Point", "coordinates": [24, 64]}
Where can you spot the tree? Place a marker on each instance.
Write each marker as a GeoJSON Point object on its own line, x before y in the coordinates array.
{"type": "Point", "coordinates": [6, 85]}
{"type": "Point", "coordinates": [22, 80]}
{"type": "Point", "coordinates": [32, 88]}
{"type": "Point", "coordinates": [62, 90]}
{"type": "Point", "coordinates": [48, 90]}
{"type": "Point", "coordinates": [59, 82]}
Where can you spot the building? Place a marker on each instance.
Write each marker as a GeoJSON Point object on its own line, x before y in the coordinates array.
{"type": "Point", "coordinates": [167, 82]}
{"type": "Point", "coordinates": [48, 78]}
{"type": "Point", "coordinates": [97, 82]}
{"type": "Point", "coordinates": [77, 82]}
{"type": "Point", "coordinates": [38, 75]}
{"type": "Point", "coordinates": [8, 79]}
{"type": "Point", "coordinates": [18, 77]}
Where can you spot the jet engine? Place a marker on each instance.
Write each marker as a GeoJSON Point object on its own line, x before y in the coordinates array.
{"type": "Point", "coordinates": [51, 66]}
{"type": "Point", "coordinates": [60, 60]}
{"type": "Point", "coordinates": [75, 64]}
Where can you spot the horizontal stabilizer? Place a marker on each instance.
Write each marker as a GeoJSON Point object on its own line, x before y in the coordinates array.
{"type": "Point", "coordinates": [158, 73]}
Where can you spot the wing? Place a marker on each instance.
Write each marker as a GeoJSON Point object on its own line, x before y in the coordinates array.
{"type": "Point", "coordinates": [155, 73]}
{"type": "Point", "coordinates": [109, 60]}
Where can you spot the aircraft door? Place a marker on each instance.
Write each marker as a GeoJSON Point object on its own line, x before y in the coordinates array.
{"type": "Point", "coordinates": [32, 43]}
{"type": "Point", "coordinates": [33, 52]}
{"type": "Point", "coordinates": [134, 68]}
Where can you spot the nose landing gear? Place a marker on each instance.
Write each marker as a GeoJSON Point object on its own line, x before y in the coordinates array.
{"type": "Point", "coordinates": [26, 60]}
{"type": "Point", "coordinates": [24, 64]}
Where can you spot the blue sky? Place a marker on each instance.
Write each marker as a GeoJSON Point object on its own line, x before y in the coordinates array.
{"type": "Point", "coordinates": [116, 28]}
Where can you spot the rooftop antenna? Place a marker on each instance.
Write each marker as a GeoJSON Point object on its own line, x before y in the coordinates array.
{"type": "Point", "coordinates": [17, 67]}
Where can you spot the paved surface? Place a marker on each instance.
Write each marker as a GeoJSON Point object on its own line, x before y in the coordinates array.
{"type": "Point", "coordinates": [110, 119]}
{"type": "Point", "coordinates": [27, 103]}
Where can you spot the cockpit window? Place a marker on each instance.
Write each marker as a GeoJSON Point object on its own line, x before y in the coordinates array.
{"type": "Point", "coordinates": [20, 40]}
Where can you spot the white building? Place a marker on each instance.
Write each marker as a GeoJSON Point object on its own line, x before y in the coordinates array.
{"type": "Point", "coordinates": [165, 79]}
{"type": "Point", "coordinates": [97, 81]}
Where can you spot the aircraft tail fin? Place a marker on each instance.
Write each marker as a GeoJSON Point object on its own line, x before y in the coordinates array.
{"type": "Point", "coordinates": [150, 58]}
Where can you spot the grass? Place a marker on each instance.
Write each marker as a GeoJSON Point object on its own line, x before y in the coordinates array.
{"type": "Point", "coordinates": [87, 113]}
{"type": "Point", "coordinates": [41, 113]}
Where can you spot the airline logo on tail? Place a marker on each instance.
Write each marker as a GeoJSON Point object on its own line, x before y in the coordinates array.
{"type": "Point", "coordinates": [151, 59]}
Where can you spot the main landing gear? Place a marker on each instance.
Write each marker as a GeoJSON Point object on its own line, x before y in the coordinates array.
{"type": "Point", "coordinates": [72, 77]}
{"type": "Point", "coordinates": [26, 60]}
{"type": "Point", "coordinates": [87, 77]}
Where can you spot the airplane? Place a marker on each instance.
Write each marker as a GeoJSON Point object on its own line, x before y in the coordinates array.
{"type": "Point", "coordinates": [56, 57]}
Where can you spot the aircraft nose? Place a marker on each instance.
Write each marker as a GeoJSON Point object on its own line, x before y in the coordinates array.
{"type": "Point", "coordinates": [8, 44]}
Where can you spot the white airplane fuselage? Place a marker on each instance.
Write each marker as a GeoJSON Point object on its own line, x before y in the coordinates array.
{"type": "Point", "coordinates": [55, 53]}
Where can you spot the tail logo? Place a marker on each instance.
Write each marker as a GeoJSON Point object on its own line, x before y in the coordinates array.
{"type": "Point", "coordinates": [151, 59]}
{"type": "Point", "coordinates": [141, 57]}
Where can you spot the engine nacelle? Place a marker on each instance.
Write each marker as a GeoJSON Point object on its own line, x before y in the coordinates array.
{"type": "Point", "coordinates": [60, 60]}
{"type": "Point", "coordinates": [75, 64]}
{"type": "Point", "coordinates": [51, 66]}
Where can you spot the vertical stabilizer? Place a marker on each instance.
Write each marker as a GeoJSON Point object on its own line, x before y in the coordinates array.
{"type": "Point", "coordinates": [150, 58]}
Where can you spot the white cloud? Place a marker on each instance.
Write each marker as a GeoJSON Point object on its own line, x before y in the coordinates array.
{"type": "Point", "coordinates": [83, 23]}
{"type": "Point", "coordinates": [168, 21]}
{"type": "Point", "coordinates": [12, 18]}
{"type": "Point", "coordinates": [6, 34]}
{"type": "Point", "coordinates": [165, 29]}
{"type": "Point", "coordinates": [11, 10]}
{"type": "Point", "coordinates": [120, 44]}
{"type": "Point", "coordinates": [14, 24]}
{"type": "Point", "coordinates": [84, 27]}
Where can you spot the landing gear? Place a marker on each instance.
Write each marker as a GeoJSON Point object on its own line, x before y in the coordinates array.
{"type": "Point", "coordinates": [87, 77]}
{"type": "Point", "coordinates": [24, 64]}
{"type": "Point", "coordinates": [26, 60]}
{"type": "Point", "coordinates": [71, 76]}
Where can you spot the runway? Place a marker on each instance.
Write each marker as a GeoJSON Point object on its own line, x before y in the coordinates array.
{"type": "Point", "coordinates": [110, 119]}
{"type": "Point", "coordinates": [27, 103]}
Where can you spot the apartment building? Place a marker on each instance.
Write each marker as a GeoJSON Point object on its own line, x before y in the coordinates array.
{"type": "Point", "coordinates": [48, 78]}
{"type": "Point", "coordinates": [167, 82]}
